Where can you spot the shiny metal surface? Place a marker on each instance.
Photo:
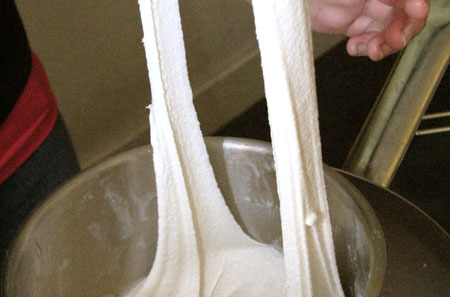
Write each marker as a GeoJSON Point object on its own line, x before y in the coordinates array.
{"type": "Point", "coordinates": [392, 123]}
{"type": "Point", "coordinates": [418, 249]}
{"type": "Point", "coordinates": [433, 116]}
{"type": "Point", "coordinates": [96, 236]}
{"type": "Point", "coordinates": [433, 131]}
{"type": "Point", "coordinates": [436, 115]}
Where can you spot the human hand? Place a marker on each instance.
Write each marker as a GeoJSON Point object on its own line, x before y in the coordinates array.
{"type": "Point", "coordinates": [377, 28]}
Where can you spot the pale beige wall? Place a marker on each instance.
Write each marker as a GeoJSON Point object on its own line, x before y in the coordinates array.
{"type": "Point", "coordinates": [94, 58]}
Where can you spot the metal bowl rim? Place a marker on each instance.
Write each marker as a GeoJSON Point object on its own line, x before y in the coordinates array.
{"type": "Point", "coordinates": [376, 273]}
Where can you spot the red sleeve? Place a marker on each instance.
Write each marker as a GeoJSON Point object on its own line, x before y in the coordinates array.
{"type": "Point", "coordinates": [29, 123]}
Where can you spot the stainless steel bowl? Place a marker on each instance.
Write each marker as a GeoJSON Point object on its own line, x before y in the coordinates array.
{"type": "Point", "coordinates": [97, 234]}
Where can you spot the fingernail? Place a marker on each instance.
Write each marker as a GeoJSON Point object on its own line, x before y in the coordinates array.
{"type": "Point", "coordinates": [385, 50]}
{"type": "Point", "coordinates": [361, 49]}
{"type": "Point", "coordinates": [408, 33]}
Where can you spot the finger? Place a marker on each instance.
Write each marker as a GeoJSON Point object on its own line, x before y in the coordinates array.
{"type": "Point", "coordinates": [363, 24]}
{"type": "Point", "coordinates": [400, 31]}
{"type": "Point", "coordinates": [379, 11]}
{"type": "Point", "coordinates": [371, 44]}
{"type": "Point", "coordinates": [394, 33]}
{"type": "Point", "coordinates": [378, 48]}
{"type": "Point", "coordinates": [408, 22]}
{"type": "Point", "coordinates": [357, 45]}
{"type": "Point", "coordinates": [417, 9]}
{"type": "Point", "coordinates": [332, 20]}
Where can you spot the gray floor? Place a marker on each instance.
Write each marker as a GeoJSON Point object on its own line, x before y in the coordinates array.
{"type": "Point", "coordinates": [347, 88]}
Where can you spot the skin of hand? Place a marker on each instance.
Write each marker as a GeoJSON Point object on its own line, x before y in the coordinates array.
{"type": "Point", "coordinates": [376, 28]}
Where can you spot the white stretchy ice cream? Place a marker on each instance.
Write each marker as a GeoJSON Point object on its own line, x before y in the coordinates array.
{"type": "Point", "coordinates": [201, 250]}
{"type": "Point", "coordinates": [285, 41]}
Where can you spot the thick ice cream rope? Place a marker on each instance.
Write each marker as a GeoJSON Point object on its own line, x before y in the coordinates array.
{"type": "Point", "coordinates": [201, 251]}
{"type": "Point", "coordinates": [284, 36]}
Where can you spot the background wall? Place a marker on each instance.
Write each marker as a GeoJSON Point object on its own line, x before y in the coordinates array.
{"type": "Point", "coordinates": [95, 61]}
